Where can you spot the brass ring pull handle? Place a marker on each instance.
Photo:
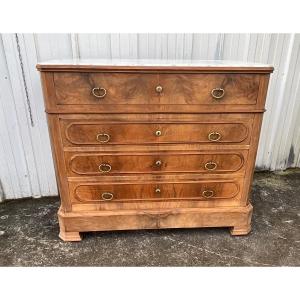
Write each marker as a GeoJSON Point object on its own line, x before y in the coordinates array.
{"type": "Point", "coordinates": [214, 136]}
{"type": "Point", "coordinates": [218, 93]}
{"type": "Point", "coordinates": [105, 168]}
{"type": "Point", "coordinates": [158, 133]}
{"type": "Point", "coordinates": [99, 92]}
{"type": "Point", "coordinates": [157, 190]}
{"type": "Point", "coordinates": [210, 166]}
{"type": "Point", "coordinates": [107, 196]}
{"type": "Point", "coordinates": [159, 89]}
{"type": "Point", "coordinates": [103, 137]}
{"type": "Point", "coordinates": [208, 193]}
{"type": "Point", "coordinates": [158, 163]}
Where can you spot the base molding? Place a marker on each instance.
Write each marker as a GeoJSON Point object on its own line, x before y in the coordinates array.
{"type": "Point", "coordinates": [72, 223]}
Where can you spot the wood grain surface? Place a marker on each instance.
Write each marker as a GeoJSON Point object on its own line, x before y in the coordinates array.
{"type": "Point", "coordinates": [153, 147]}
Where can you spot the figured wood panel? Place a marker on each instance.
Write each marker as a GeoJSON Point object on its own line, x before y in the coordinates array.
{"type": "Point", "coordinates": [103, 164]}
{"type": "Point", "coordinates": [159, 191]}
{"type": "Point", "coordinates": [139, 88]}
{"type": "Point", "coordinates": [191, 89]}
{"type": "Point", "coordinates": [87, 133]}
{"type": "Point", "coordinates": [76, 88]}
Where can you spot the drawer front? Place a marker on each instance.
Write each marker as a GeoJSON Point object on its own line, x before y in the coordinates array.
{"type": "Point", "coordinates": [99, 164]}
{"type": "Point", "coordinates": [213, 89]}
{"type": "Point", "coordinates": [104, 89]}
{"type": "Point", "coordinates": [96, 133]}
{"type": "Point", "coordinates": [111, 193]}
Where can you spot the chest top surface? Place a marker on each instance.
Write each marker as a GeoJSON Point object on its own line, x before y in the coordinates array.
{"type": "Point", "coordinates": [154, 65]}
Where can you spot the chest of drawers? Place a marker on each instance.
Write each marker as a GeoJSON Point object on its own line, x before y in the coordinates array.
{"type": "Point", "coordinates": [155, 145]}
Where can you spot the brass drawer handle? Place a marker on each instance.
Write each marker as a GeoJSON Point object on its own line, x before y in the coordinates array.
{"type": "Point", "coordinates": [158, 163]}
{"type": "Point", "coordinates": [157, 190]}
{"type": "Point", "coordinates": [218, 93]}
{"type": "Point", "coordinates": [159, 89]}
{"type": "Point", "coordinates": [158, 133]}
{"type": "Point", "coordinates": [210, 166]}
{"type": "Point", "coordinates": [214, 136]}
{"type": "Point", "coordinates": [208, 193]}
{"type": "Point", "coordinates": [105, 168]}
{"type": "Point", "coordinates": [103, 137]}
{"type": "Point", "coordinates": [107, 196]}
{"type": "Point", "coordinates": [99, 92]}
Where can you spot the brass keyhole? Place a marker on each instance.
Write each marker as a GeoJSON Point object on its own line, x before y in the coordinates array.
{"type": "Point", "coordinates": [158, 163]}
{"type": "Point", "coordinates": [159, 89]}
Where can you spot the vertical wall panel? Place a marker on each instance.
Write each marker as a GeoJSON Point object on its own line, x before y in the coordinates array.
{"type": "Point", "coordinates": [26, 167]}
{"type": "Point", "coordinates": [286, 139]}
{"type": "Point", "coordinates": [128, 46]}
{"type": "Point", "coordinates": [276, 108]}
{"type": "Point", "coordinates": [39, 137]}
{"type": "Point", "coordinates": [94, 45]}
{"type": "Point", "coordinates": [18, 117]}
{"type": "Point", "coordinates": [53, 46]}
{"type": "Point", "coordinates": [206, 46]}
{"type": "Point", "coordinates": [152, 46]}
{"type": "Point", "coordinates": [29, 139]}
{"type": "Point", "coordinates": [12, 161]}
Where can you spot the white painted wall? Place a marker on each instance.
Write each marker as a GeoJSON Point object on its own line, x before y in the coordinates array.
{"type": "Point", "coordinates": [26, 167]}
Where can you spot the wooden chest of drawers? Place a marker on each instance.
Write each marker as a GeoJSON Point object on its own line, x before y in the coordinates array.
{"type": "Point", "coordinates": [153, 145]}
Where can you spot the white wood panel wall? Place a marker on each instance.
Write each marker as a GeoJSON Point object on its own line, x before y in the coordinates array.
{"type": "Point", "coordinates": [26, 167]}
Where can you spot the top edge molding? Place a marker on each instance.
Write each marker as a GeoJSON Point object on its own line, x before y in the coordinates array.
{"type": "Point", "coordinates": [155, 65]}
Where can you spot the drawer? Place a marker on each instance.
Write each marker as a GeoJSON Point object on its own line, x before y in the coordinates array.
{"type": "Point", "coordinates": [209, 89]}
{"type": "Point", "coordinates": [101, 133]}
{"type": "Point", "coordinates": [101, 90]}
{"type": "Point", "coordinates": [102, 164]}
{"type": "Point", "coordinates": [160, 191]}
{"type": "Point", "coordinates": [105, 88]}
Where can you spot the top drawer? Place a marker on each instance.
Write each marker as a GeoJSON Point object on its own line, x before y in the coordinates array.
{"type": "Point", "coordinates": [148, 92]}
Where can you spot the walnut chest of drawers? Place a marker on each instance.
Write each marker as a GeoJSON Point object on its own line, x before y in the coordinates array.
{"type": "Point", "coordinates": [153, 145]}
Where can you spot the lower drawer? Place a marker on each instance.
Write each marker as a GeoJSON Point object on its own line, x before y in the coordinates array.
{"type": "Point", "coordinates": [206, 162]}
{"type": "Point", "coordinates": [206, 190]}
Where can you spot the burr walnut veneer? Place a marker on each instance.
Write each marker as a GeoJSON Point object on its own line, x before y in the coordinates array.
{"type": "Point", "coordinates": [153, 144]}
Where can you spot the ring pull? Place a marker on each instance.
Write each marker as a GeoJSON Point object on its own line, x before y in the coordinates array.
{"type": "Point", "coordinates": [103, 137]}
{"type": "Point", "coordinates": [214, 136]}
{"type": "Point", "coordinates": [99, 92]}
{"type": "Point", "coordinates": [107, 196]}
{"type": "Point", "coordinates": [105, 168]}
{"type": "Point", "coordinates": [218, 93]}
{"type": "Point", "coordinates": [157, 190]}
{"type": "Point", "coordinates": [210, 166]}
{"type": "Point", "coordinates": [208, 193]}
